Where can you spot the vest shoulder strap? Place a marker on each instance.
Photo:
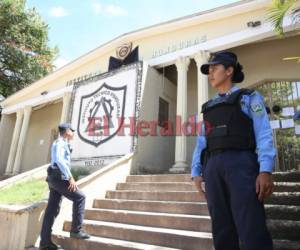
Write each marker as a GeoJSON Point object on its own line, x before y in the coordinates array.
{"type": "Point", "coordinates": [235, 96]}
{"type": "Point", "coordinates": [205, 105]}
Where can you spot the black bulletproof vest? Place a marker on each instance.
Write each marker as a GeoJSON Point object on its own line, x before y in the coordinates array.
{"type": "Point", "coordinates": [227, 126]}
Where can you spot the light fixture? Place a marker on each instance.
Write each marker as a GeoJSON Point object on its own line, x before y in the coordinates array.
{"type": "Point", "coordinates": [253, 24]}
{"type": "Point", "coordinates": [296, 58]}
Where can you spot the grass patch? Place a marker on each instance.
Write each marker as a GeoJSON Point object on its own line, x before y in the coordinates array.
{"type": "Point", "coordinates": [24, 193]}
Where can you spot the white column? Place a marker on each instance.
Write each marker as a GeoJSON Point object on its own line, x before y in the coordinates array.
{"type": "Point", "coordinates": [202, 85]}
{"type": "Point", "coordinates": [22, 138]}
{"type": "Point", "coordinates": [182, 65]}
{"type": "Point", "coordinates": [2, 131]}
{"type": "Point", "coordinates": [3, 144]}
{"type": "Point", "coordinates": [65, 108]}
{"type": "Point", "coordinates": [14, 142]}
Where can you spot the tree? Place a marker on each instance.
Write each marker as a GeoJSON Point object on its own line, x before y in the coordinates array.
{"type": "Point", "coordinates": [25, 56]}
{"type": "Point", "coordinates": [280, 9]}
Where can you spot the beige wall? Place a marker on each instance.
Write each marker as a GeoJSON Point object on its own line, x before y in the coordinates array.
{"type": "Point", "coordinates": [211, 30]}
{"type": "Point", "coordinates": [7, 126]}
{"type": "Point", "coordinates": [155, 154]}
{"type": "Point", "coordinates": [263, 60]}
{"type": "Point", "coordinates": [42, 121]}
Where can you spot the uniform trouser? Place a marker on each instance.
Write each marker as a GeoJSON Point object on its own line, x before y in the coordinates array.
{"type": "Point", "coordinates": [236, 213]}
{"type": "Point", "coordinates": [59, 188]}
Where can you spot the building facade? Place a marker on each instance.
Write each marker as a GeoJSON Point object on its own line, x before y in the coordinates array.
{"type": "Point", "coordinates": [171, 54]}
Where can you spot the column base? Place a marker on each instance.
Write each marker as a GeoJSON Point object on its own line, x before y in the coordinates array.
{"type": "Point", "coordinates": [11, 174]}
{"type": "Point", "coordinates": [7, 175]}
{"type": "Point", "coordinates": [179, 168]}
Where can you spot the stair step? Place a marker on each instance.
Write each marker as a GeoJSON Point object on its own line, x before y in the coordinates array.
{"type": "Point", "coordinates": [157, 186]}
{"type": "Point", "coordinates": [284, 229]}
{"type": "Point", "coordinates": [196, 208]}
{"type": "Point", "coordinates": [164, 220]}
{"type": "Point", "coordinates": [159, 178]}
{"type": "Point", "coordinates": [278, 177]}
{"type": "Point", "coordinates": [284, 198]}
{"type": "Point", "coordinates": [96, 243]}
{"type": "Point", "coordinates": [148, 235]}
{"type": "Point", "coordinates": [189, 186]}
{"type": "Point", "coordinates": [283, 212]}
{"type": "Point", "coordinates": [287, 176]}
{"type": "Point", "coordinates": [287, 187]}
{"type": "Point", "coordinates": [286, 245]}
{"type": "Point", "coordinates": [158, 196]}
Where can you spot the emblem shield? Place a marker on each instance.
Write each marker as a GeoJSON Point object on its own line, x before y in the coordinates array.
{"type": "Point", "coordinates": [100, 114]}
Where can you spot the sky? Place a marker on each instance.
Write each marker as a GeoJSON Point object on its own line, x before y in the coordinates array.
{"type": "Point", "coordinates": [78, 26]}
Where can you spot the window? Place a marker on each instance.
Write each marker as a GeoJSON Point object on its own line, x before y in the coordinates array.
{"type": "Point", "coordinates": [163, 112]}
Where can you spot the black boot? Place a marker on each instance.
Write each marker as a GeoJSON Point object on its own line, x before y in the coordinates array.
{"type": "Point", "coordinates": [50, 246]}
{"type": "Point", "coordinates": [79, 235]}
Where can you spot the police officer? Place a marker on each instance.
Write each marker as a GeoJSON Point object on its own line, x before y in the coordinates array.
{"type": "Point", "coordinates": [235, 157]}
{"type": "Point", "coordinates": [61, 183]}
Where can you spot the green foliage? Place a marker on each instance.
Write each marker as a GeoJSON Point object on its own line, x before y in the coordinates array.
{"type": "Point", "coordinates": [24, 192]}
{"type": "Point", "coordinates": [24, 54]}
{"type": "Point", "coordinates": [288, 147]}
{"type": "Point", "coordinates": [76, 172]}
{"type": "Point", "coordinates": [279, 9]}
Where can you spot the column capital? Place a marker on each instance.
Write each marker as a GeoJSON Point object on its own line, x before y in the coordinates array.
{"type": "Point", "coordinates": [67, 95]}
{"type": "Point", "coordinates": [201, 57]}
{"type": "Point", "coordinates": [66, 106]}
{"type": "Point", "coordinates": [20, 112]}
{"type": "Point", "coordinates": [27, 110]}
{"type": "Point", "coordinates": [182, 63]}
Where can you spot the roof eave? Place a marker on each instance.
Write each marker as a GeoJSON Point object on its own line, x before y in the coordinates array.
{"type": "Point", "coordinates": [175, 24]}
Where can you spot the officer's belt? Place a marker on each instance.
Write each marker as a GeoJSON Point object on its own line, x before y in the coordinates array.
{"type": "Point", "coordinates": [55, 166]}
{"type": "Point", "coordinates": [218, 151]}
{"type": "Point", "coordinates": [54, 171]}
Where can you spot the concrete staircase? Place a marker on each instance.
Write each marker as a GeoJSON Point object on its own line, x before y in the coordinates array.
{"type": "Point", "coordinates": [166, 212]}
{"type": "Point", "coordinates": [283, 211]}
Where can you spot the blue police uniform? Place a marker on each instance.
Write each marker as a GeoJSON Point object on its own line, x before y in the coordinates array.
{"type": "Point", "coordinates": [61, 157]}
{"type": "Point", "coordinates": [58, 178]}
{"type": "Point", "coordinates": [230, 177]}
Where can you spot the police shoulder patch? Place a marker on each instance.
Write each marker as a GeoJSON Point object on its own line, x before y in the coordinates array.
{"type": "Point", "coordinates": [257, 108]}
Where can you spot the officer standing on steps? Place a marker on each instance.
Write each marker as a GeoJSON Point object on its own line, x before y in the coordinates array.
{"type": "Point", "coordinates": [61, 183]}
{"type": "Point", "coordinates": [235, 157]}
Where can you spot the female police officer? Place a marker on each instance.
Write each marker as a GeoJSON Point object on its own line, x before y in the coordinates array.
{"type": "Point", "coordinates": [238, 147]}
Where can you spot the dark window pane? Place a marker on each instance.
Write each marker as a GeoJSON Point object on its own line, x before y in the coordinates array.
{"type": "Point", "coordinates": [163, 112]}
